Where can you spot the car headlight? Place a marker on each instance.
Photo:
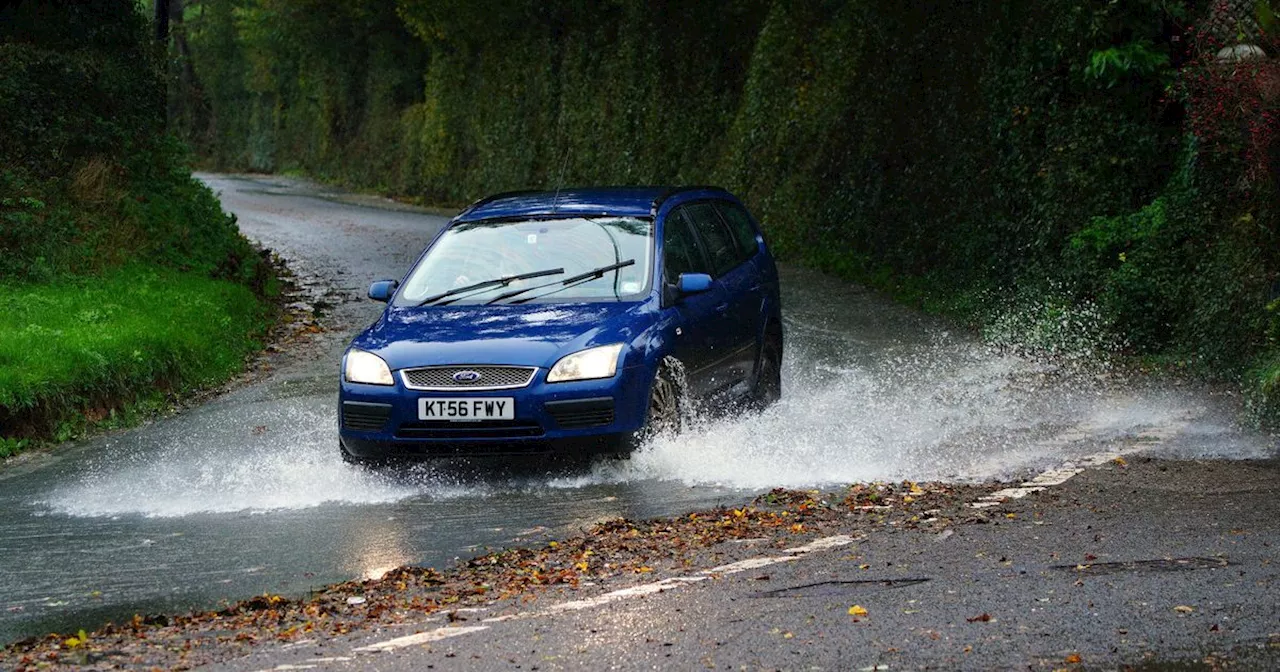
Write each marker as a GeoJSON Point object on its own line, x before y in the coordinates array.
{"type": "Point", "coordinates": [366, 367]}
{"type": "Point", "coordinates": [601, 362]}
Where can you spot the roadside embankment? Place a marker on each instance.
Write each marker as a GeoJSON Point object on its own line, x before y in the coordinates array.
{"type": "Point", "coordinates": [122, 281]}
{"type": "Point", "coordinates": [90, 350]}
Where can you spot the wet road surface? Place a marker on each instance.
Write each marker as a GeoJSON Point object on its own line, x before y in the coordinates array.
{"type": "Point", "coordinates": [1150, 565]}
{"type": "Point", "coordinates": [246, 494]}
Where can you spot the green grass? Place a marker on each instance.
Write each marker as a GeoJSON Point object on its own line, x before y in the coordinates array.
{"type": "Point", "coordinates": [90, 350]}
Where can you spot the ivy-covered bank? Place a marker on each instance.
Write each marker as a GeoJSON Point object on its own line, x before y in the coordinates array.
{"type": "Point", "coordinates": [122, 281]}
{"type": "Point", "coordinates": [1063, 157]}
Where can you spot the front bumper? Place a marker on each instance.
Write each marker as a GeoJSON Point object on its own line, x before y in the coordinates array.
{"type": "Point", "coordinates": [581, 417]}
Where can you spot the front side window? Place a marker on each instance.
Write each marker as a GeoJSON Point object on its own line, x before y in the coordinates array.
{"type": "Point", "coordinates": [680, 251]}
{"type": "Point", "coordinates": [715, 235]}
{"type": "Point", "coordinates": [744, 232]}
{"type": "Point", "coordinates": [472, 253]}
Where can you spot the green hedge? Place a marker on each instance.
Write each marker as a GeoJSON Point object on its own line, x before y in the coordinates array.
{"type": "Point", "coordinates": [89, 177]}
{"type": "Point", "coordinates": [957, 153]}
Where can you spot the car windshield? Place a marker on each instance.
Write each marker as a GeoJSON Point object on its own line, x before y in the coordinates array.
{"type": "Point", "coordinates": [470, 253]}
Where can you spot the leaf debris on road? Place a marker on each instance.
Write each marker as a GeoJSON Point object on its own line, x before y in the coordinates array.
{"type": "Point", "coordinates": [608, 556]}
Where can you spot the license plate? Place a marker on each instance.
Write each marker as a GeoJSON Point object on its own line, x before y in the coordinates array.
{"type": "Point", "coordinates": [467, 410]}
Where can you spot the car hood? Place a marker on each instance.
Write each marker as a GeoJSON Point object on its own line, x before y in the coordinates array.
{"type": "Point", "coordinates": [525, 334]}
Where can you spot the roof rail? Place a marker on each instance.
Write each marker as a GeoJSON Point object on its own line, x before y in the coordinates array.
{"type": "Point", "coordinates": [493, 197]}
{"type": "Point", "coordinates": [657, 202]}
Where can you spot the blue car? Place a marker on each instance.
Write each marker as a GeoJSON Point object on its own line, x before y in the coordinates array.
{"type": "Point", "coordinates": [576, 322]}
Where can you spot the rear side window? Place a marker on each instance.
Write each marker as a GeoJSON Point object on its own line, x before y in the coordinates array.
{"type": "Point", "coordinates": [679, 248]}
{"type": "Point", "coordinates": [715, 236]}
{"type": "Point", "coordinates": [744, 232]}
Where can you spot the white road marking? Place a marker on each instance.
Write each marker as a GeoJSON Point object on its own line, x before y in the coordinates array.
{"type": "Point", "coordinates": [504, 617]}
{"type": "Point", "coordinates": [419, 639]}
{"type": "Point", "coordinates": [1055, 477]}
{"type": "Point", "coordinates": [750, 563]}
{"type": "Point", "coordinates": [823, 544]}
{"type": "Point", "coordinates": [625, 593]}
{"type": "Point", "coordinates": [310, 664]}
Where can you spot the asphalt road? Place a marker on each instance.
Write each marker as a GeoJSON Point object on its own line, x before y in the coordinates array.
{"type": "Point", "coordinates": [246, 493]}
{"type": "Point", "coordinates": [1152, 565]}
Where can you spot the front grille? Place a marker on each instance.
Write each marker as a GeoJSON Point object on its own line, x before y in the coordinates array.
{"type": "Point", "coordinates": [581, 413]}
{"type": "Point", "coordinates": [364, 417]}
{"type": "Point", "coordinates": [485, 429]}
{"type": "Point", "coordinates": [441, 378]}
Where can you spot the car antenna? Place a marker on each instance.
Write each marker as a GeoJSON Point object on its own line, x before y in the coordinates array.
{"type": "Point", "coordinates": [564, 166]}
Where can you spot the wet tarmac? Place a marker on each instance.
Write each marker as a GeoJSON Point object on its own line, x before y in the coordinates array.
{"type": "Point", "coordinates": [247, 494]}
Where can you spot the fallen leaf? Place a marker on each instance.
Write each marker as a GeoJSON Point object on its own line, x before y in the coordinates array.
{"type": "Point", "coordinates": [1184, 609]}
{"type": "Point", "coordinates": [1120, 461]}
{"type": "Point", "coordinates": [857, 610]}
{"type": "Point", "coordinates": [1073, 659]}
{"type": "Point", "coordinates": [981, 618]}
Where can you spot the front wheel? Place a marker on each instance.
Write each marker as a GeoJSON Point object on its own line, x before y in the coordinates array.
{"type": "Point", "coordinates": [768, 387]}
{"type": "Point", "coordinates": [358, 461]}
{"type": "Point", "coordinates": [663, 417]}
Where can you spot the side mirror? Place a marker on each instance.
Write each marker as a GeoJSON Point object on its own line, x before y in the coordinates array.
{"type": "Point", "coordinates": [693, 283]}
{"type": "Point", "coordinates": [383, 289]}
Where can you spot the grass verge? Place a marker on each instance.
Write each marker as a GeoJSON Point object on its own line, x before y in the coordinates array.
{"type": "Point", "coordinates": [95, 349]}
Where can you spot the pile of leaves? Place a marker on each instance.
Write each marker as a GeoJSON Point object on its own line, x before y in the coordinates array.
{"type": "Point", "coordinates": [609, 556]}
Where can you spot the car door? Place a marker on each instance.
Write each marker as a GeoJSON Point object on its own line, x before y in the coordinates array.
{"type": "Point", "coordinates": [749, 244]}
{"type": "Point", "coordinates": [700, 339]}
{"type": "Point", "coordinates": [740, 307]}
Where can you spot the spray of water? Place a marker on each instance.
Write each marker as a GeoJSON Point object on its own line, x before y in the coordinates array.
{"type": "Point", "coordinates": [953, 411]}
{"type": "Point", "coordinates": [860, 403]}
{"type": "Point", "coordinates": [212, 464]}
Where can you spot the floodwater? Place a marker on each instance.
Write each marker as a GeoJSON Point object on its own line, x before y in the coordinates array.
{"type": "Point", "coordinates": [246, 494]}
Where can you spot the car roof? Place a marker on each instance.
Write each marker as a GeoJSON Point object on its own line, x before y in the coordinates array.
{"type": "Point", "coordinates": [610, 201]}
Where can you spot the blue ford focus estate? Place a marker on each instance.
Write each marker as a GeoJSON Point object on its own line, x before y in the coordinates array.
{"type": "Point", "coordinates": [572, 322]}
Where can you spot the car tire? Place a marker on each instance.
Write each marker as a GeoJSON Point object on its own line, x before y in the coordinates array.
{"type": "Point", "coordinates": [768, 387]}
{"type": "Point", "coordinates": [356, 460]}
{"type": "Point", "coordinates": [664, 413]}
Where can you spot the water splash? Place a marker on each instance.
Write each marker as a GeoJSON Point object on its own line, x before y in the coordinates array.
{"type": "Point", "coordinates": [954, 411]}
{"type": "Point", "coordinates": [210, 466]}
{"type": "Point", "coordinates": [899, 396]}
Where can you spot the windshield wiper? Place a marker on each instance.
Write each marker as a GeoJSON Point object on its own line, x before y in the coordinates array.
{"type": "Point", "coordinates": [564, 284]}
{"type": "Point", "coordinates": [496, 282]}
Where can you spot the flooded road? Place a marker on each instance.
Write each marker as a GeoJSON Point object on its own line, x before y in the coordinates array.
{"type": "Point", "coordinates": [247, 494]}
